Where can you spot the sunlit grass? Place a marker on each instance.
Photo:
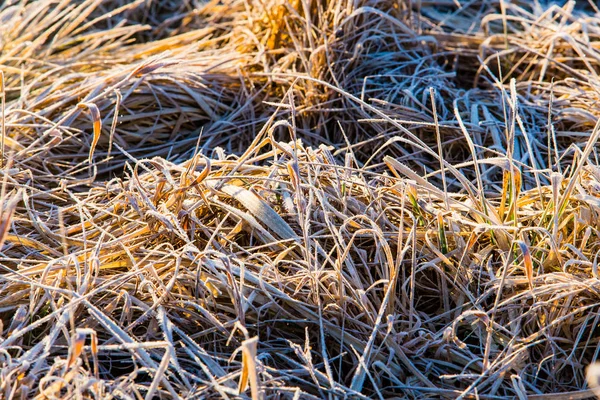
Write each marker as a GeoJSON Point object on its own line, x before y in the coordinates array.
{"type": "Point", "coordinates": [299, 199]}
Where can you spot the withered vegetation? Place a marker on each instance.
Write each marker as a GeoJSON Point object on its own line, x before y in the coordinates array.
{"type": "Point", "coordinates": [299, 198]}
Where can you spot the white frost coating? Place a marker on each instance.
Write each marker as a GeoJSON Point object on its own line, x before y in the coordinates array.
{"type": "Point", "coordinates": [260, 209]}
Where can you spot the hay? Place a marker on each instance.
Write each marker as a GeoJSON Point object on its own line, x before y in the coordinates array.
{"type": "Point", "coordinates": [303, 199]}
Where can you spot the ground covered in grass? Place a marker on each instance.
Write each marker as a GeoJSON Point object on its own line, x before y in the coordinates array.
{"type": "Point", "coordinates": [299, 198]}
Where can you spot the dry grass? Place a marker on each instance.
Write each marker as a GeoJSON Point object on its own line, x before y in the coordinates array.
{"type": "Point", "coordinates": [299, 199]}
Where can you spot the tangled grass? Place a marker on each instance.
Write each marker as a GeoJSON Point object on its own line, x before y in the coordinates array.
{"type": "Point", "coordinates": [299, 199]}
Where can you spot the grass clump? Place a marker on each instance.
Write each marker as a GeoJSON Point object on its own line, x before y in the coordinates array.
{"type": "Point", "coordinates": [298, 199]}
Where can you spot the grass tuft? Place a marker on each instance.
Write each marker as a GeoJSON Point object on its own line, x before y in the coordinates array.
{"type": "Point", "coordinates": [299, 199]}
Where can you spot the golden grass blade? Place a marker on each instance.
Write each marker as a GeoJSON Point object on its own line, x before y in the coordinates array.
{"type": "Point", "coordinates": [97, 126]}
{"type": "Point", "coordinates": [528, 263]}
{"type": "Point", "coordinates": [249, 368]}
{"type": "Point", "coordinates": [8, 212]}
{"type": "Point", "coordinates": [76, 348]}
